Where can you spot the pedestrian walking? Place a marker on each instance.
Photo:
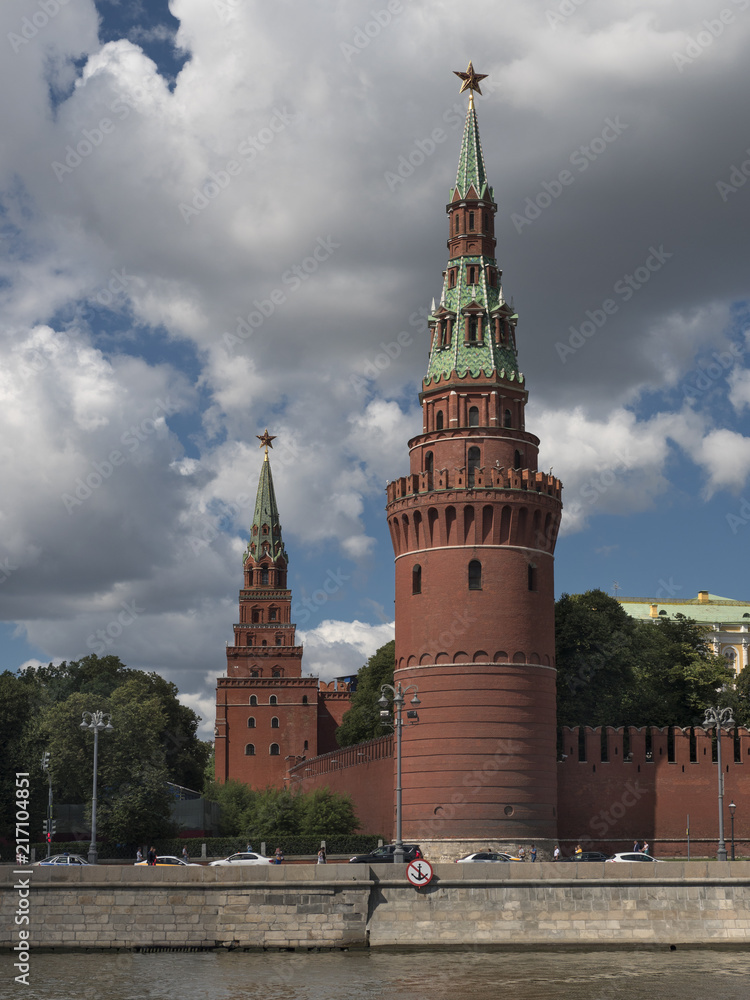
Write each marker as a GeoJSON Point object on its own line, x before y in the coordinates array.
{"type": "Point", "coordinates": [278, 856]}
{"type": "Point", "coordinates": [637, 846]}
{"type": "Point", "coordinates": [151, 856]}
{"type": "Point", "coordinates": [644, 849]}
{"type": "Point", "coordinates": [556, 853]}
{"type": "Point", "coordinates": [533, 853]}
{"type": "Point", "coordinates": [138, 856]}
{"type": "Point", "coordinates": [185, 855]}
{"type": "Point", "coordinates": [579, 851]}
{"type": "Point", "coordinates": [249, 847]}
{"type": "Point", "coordinates": [322, 856]}
{"type": "Point", "coordinates": [522, 854]}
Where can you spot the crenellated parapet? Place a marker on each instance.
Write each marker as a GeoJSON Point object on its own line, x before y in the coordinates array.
{"type": "Point", "coordinates": [473, 479]}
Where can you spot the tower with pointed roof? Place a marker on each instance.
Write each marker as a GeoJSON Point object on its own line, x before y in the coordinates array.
{"type": "Point", "coordinates": [268, 716]}
{"type": "Point", "coordinates": [473, 528]}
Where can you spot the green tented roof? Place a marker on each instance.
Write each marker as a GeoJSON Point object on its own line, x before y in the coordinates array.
{"type": "Point", "coordinates": [266, 523]}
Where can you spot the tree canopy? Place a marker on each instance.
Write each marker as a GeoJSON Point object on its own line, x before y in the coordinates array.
{"type": "Point", "coordinates": [275, 813]}
{"type": "Point", "coordinates": [153, 741]}
{"type": "Point", "coordinates": [362, 721]}
{"type": "Point", "coordinates": [613, 670]}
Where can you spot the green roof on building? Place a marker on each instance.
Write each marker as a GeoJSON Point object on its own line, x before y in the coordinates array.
{"type": "Point", "coordinates": [706, 608]}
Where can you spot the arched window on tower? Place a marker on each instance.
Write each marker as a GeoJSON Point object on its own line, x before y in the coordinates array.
{"type": "Point", "coordinates": [273, 700]}
{"type": "Point", "coordinates": [532, 576]}
{"type": "Point", "coordinates": [274, 723]}
{"type": "Point", "coordinates": [456, 218]}
{"type": "Point", "coordinates": [256, 616]}
{"type": "Point", "coordinates": [251, 723]}
{"type": "Point", "coordinates": [507, 419]}
{"type": "Point", "coordinates": [472, 275]}
{"type": "Point", "coordinates": [473, 416]}
{"type": "Point", "coordinates": [452, 278]}
{"type": "Point", "coordinates": [428, 464]}
{"type": "Point", "coordinates": [475, 575]}
{"type": "Point", "coordinates": [250, 750]}
{"type": "Point", "coordinates": [253, 700]}
{"type": "Point", "coordinates": [304, 699]}
{"type": "Point", "coordinates": [278, 640]}
{"type": "Point", "coordinates": [474, 458]}
{"type": "Point", "coordinates": [439, 420]}
{"type": "Point", "coordinates": [471, 222]}
{"type": "Point", "coordinates": [272, 614]}
{"type": "Point", "coordinates": [276, 672]}
{"type": "Point", "coordinates": [274, 751]}
{"type": "Point", "coordinates": [416, 579]}
{"type": "Point", "coordinates": [472, 328]}
{"type": "Point", "coordinates": [517, 459]}
{"type": "Point", "coordinates": [264, 576]}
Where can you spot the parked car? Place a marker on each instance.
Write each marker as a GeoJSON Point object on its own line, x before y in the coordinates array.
{"type": "Point", "coordinates": [244, 858]}
{"type": "Point", "coordinates": [634, 856]}
{"type": "Point", "coordinates": [384, 855]}
{"type": "Point", "coordinates": [63, 859]}
{"type": "Point", "coordinates": [168, 859]}
{"type": "Point", "coordinates": [489, 856]}
{"type": "Point", "coordinates": [588, 856]}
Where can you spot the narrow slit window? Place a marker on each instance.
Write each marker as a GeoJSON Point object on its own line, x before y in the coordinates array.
{"type": "Point", "coordinates": [475, 575]}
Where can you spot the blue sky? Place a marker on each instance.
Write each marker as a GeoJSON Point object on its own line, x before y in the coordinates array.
{"type": "Point", "coordinates": [169, 170]}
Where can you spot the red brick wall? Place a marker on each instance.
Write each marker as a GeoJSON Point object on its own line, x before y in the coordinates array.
{"type": "Point", "coordinates": [610, 804]}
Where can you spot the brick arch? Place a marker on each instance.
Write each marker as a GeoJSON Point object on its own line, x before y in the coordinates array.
{"type": "Point", "coordinates": [547, 532]}
{"type": "Point", "coordinates": [545, 660]}
{"type": "Point", "coordinates": [468, 525]}
{"type": "Point", "coordinates": [480, 656]}
{"type": "Point", "coordinates": [450, 526]}
{"type": "Point", "coordinates": [519, 657]}
{"type": "Point", "coordinates": [488, 525]}
{"type": "Point", "coordinates": [442, 658]}
{"type": "Point", "coordinates": [418, 530]}
{"type": "Point", "coordinates": [425, 659]}
{"type": "Point", "coordinates": [536, 529]}
{"type": "Point", "coordinates": [412, 661]}
{"type": "Point", "coordinates": [533, 658]}
{"type": "Point", "coordinates": [522, 518]}
{"type": "Point", "coordinates": [433, 526]}
{"type": "Point", "coordinates": [500, 656]}
{"type": "Point", "coordinates": [397, 534]}
{"type": "Point", "coordinates": [405, 526]}
{"type": "Point", "coordinates": [505, 522]}
{"type": "Point", "coordinates": [460, 657]}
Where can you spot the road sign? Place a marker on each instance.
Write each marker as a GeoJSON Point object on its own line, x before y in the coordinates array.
{"type": "Point", "coordinates": [419, 872]}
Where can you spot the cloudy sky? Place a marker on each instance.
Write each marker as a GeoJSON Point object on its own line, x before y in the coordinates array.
{"type": "Point", "coordinates": [222, 215]}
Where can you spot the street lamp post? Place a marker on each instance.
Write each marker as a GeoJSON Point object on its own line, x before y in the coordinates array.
{"type": "Point", "coordinates": [48, 831]}
{"type": "Point", "coordinates": [732, 807]}
{"type": "Point", "coordinates": [716, 718]}
{"type": "Point", "coordinates": [399, 700]}
{"type": "Point", "coordinates": [95, 721]}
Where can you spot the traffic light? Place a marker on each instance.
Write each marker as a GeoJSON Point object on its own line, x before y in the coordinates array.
{"type": "Point", "coordinates": [46, 828]}
{"type": "Point", "coordinates": [45, 761]}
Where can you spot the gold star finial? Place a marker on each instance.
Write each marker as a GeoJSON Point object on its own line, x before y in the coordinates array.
{"type": "Point", "coordinates": [265, 440]}
{"type": "Point", "coordinates": [470, 82]}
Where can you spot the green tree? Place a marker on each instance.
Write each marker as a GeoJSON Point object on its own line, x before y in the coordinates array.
{"type": "Point", "coordinates": [362, 721]}
{"type": "Point", "coordinates": [236, 800]}
{"type": "Point", "coordinates": [273, 814]}
{"type": "Point", "coordinates": [325, 813]}
{"type": "Point", "coordinates": [20, 751]}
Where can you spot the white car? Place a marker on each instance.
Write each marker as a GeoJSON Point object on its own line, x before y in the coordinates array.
{"type": "Point", "coordinates": [634, 856]}
{"type": "Point", "coordinates": [169, 859]}
{"type": "Point", "coordinates": [245, 858]}
{"type": "Point", "coordinates": [489, 856]}
{"type": "Point", "coordinates": [63, 859]}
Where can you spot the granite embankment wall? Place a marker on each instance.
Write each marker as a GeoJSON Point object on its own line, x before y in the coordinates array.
{"type": "Point", "coordinates": [336, 906]}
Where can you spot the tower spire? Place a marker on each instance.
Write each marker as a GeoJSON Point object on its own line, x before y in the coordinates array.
{"type": "Point", "coordinates": [265, 539]}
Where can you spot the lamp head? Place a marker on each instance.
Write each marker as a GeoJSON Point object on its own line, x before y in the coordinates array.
{"type": "Point", "coordinates": [415, 701]}
{"type": "Point", "coordinates": [383, 701]}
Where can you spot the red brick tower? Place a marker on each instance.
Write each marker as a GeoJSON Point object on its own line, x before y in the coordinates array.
{"type": "Point", "coordinates": [473, 528]}
{"type": "Point", "coordinates": [266, 712]}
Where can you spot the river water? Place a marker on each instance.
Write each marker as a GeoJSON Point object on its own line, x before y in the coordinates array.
{"type": "Point", "coordinates": [361, 975]}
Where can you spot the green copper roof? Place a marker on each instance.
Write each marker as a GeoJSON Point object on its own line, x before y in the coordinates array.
{"type": "Point", "coordinates": [712, 610]}
{"type": "Point", "coordinates": [494, 360]}
{"type": "Point", "coordinates": [266, 529]}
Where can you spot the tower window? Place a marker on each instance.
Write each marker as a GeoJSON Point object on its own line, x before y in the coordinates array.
{"type": "Point", "coordinates": [272, 615]}
{"type": "Point", "coordinates": [532, 577]}
{"type": "Point", "coordinates": [452, 278]}
{"type": "Point", "coordinates": [305, 747]}
{"type": "Point", "coordinates": [475, 575]}
{"type": "Point", "coordinates": [456, 217]}
{"type": "Point", "coordinates": [472, 275]}
{"type": "Point", "coordinates": [274, 751]}
{"type": "Point", "coordinates": [474, 416]}
{"type": "Point", "coordinates": [253, 700]}
{"type": "Point", "coordinates": [251, 723]}
{"type": "Point", "coordinates": [264, 576]}
{"type": "Point", "coordinates": [264, 642]}
{"type": "Point", "coordinates": [416, 579]}
{"type": "Point", "coordinates": [274, 723]}
{"type": "Point", "coordinates": [486, 222]}
{"type": "Point", "coordinates": [256, 616]}
{"type": "Point", "coordinates": [507, 419]}
{"type": "Point", "coordinates": [276, 672]}
{"type": "Point", "coordinates": [439, 420]}
{"type": "Point", "coordinates": [471, 221]}
{"type": "Point", "coordinates": [304, 699]}
{"type": "Point", "coordinates": [250, 750]}
{"type": "Point", "coordinates": [518, 459]}
{"type": "Point", "coordinates": [273, 700]}
{"type": "Point", "coordinates": [472, 328]}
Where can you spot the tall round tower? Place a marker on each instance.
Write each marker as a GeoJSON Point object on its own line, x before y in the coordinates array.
{"type": "Point", "coordinates": [473, 527]}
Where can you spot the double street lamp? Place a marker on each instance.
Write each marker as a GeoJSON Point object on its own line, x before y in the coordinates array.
{"type": "Point", "coordinates": [95, 722]}
{"type": "Point", "coordinates": [715, 718]}
{"type": "Point", "coordinates": [732, 807]}
{"type": "Point", "coordinates": [399, 701]}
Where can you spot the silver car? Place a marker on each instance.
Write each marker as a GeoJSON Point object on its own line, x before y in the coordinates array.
{"type": "Point", "coordinates": [244, 858]}
{"type": "Point", "coordinates": [63, 859]}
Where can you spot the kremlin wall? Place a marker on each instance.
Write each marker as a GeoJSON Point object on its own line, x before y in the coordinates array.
{"type": "Point", "coordinates": [473, 527]}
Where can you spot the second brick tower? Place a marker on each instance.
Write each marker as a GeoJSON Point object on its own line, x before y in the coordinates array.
{"type": "Point", "coordinates": [473, 528]}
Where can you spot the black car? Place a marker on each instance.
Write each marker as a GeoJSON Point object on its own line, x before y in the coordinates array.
{"type": "Point", "coordinates": [589, 856]}
{"type": "Point", "coordinates": [384, 855]}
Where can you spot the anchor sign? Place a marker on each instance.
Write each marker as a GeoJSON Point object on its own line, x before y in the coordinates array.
{"type": "Point", "coordinates": [419, 872]}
